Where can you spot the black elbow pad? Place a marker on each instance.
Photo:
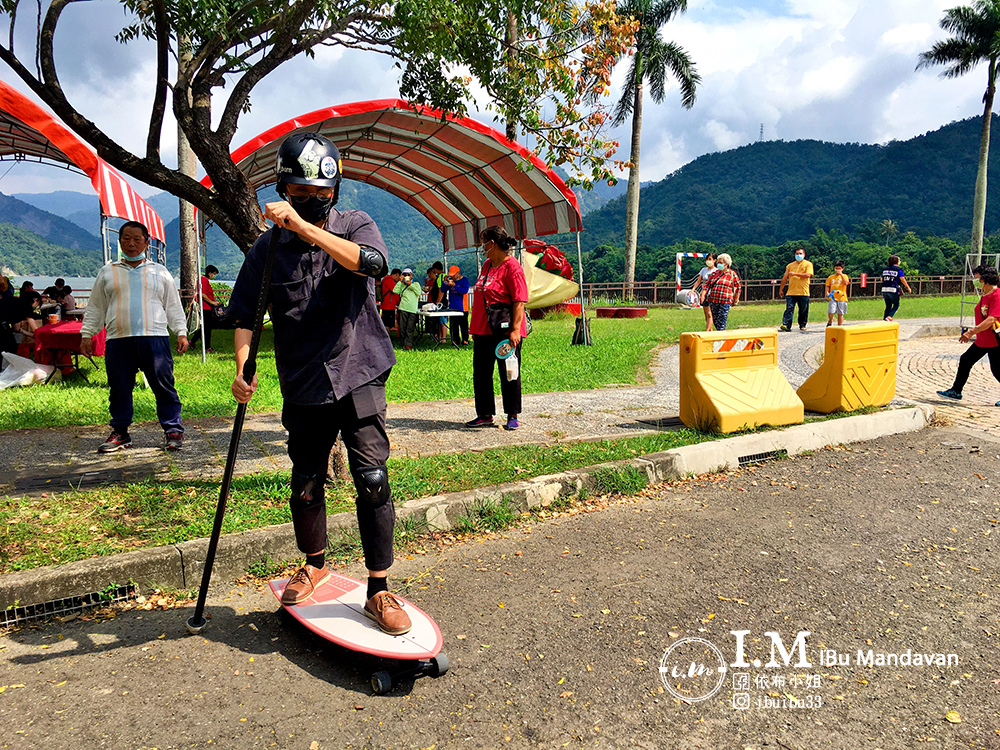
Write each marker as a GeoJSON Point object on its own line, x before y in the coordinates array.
{"type": "Point", "coordinates": [371, 263]}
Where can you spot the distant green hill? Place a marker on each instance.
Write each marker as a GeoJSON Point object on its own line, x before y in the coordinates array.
{"type": "Point", "coordinates": [774, 191]}
{"type": "Point", "coordinates": [27, 254]}
{"type": "Point", "coordinates": [51, 227]}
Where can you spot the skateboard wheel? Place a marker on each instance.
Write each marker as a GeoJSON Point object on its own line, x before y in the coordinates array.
{"type": "Point", "coordinates": [440, 663]}
{"type": "Point", "coordinates": [381, 683]}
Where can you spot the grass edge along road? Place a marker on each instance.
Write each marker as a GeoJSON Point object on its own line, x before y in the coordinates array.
{"type": "Point", "coordinates": [622, 354]}
{"type": "Point", "coordinates": [61, 527]}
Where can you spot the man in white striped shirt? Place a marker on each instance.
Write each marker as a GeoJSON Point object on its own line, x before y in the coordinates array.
{"type": "Point", "coordinates": [136, 300]}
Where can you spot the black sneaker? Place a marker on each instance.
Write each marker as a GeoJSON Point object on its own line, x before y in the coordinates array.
{"type": "Point", "coordinates": [116, 441]}
{"type": "Point", "coordinates": [951, 393]}
{"type": "Point", "coordinates": [480, 422]}
{"type": "Point", "coordinates": [175, 441]}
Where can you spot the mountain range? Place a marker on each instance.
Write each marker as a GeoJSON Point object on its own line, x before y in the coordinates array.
{"type": "Point", "coordinates": [764, 193]}
{"type": "Point", "coordinates": [771, 192]}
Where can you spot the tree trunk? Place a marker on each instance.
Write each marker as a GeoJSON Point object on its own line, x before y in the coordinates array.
{"type": "Point", "coordinates": [190, 265]}
{"type": "Point", "coordinates": [339, 468]}
{"type": "Point", "coordinates": [511, 130]}
{"type": "Point", "coordinates": [632, 197]}
{"type": "Point", "coordinates": [979, 204]}
{"type": "Point", "coordinates": [188, 166]}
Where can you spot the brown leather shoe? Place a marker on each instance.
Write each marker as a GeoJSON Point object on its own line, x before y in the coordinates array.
{"type": "Point", "coordinates": [388, 614]}
{"type": "Point", "coordinates": [303, 584]}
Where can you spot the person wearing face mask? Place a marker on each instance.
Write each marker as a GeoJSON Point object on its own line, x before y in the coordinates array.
{"type": "Point", "coordinates": [892, 279]}
{"type": "Point", "coordinates": [498, 300]}
{"type": "Point", "coordinates": [987, 338]}
{"type": "Point", "coordinates": [333, 357]}
{"type": "Point", "coordinates": [721, 291]}
{"type": "Point", "coordinates": [137, 301]}
{"type": "Point", "coordinates": [703, 275]}
{"type": "Point", "coordinates": [796, 278]}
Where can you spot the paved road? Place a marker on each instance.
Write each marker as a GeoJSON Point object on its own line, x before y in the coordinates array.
{"type": "Point", "coordinates": [556, 629]}
{"type": "Point", "coordinates": [68, 454]}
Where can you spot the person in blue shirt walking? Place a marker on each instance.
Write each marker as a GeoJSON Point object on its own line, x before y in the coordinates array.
{"type": "Point", "coordinates": [458, 301]}
{"type": "Point", "coordinates": [892, 278]}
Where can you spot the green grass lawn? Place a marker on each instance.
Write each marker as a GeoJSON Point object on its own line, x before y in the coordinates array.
{"type": "Point", "coordinates": [621, 354]}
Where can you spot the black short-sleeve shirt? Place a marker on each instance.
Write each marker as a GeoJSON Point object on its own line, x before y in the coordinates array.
{"type": "Point", "coordinates": [328, 336]}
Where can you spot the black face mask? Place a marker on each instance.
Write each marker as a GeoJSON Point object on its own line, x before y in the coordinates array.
{"type": "Point", "coordinates": [312, 208]}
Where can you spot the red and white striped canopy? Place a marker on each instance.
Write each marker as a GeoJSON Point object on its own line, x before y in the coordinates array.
{"type": "Point", "coordinates": [460, 174]}
{"type": "Point", "coordinates": [27, 130]}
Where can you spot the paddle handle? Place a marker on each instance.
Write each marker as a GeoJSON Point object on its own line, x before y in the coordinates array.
{"type": "Point", "coordinates": [197, 621]}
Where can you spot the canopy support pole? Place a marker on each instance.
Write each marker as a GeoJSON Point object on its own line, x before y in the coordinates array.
{"type": "Point", "coordinates": [202, 258]}
{"type": "Point", "coordinates": [105, 240]}
{"type": "Point", "coordinates": [582, 334]}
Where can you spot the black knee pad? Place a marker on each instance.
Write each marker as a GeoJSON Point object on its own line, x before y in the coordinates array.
{"type": "Point", "coordinates": [372, 483]}
{"type": "Point", "coordinates": [307, 490]}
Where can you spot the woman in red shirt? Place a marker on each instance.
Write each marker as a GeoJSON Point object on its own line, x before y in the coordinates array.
{"type": "Point", "coordinates": [501, 282]}
{"type": "Point", "coordinates": [987, 341]}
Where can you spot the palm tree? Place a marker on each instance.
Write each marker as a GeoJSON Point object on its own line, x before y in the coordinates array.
{"type": "Point", "coordinates": [652, 60]}
{"type": "Point", "coordinates": [976, 30]}
{"type": "Point", "coordinates": [888, 229]}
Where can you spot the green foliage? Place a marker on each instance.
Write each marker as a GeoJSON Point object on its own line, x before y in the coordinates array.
{"type": "Point", "coordinates": [488, 514]}
{"type": "Point", "coordinates": [626, 480]}
{"type": "Point", "coordinates": [265, 567]}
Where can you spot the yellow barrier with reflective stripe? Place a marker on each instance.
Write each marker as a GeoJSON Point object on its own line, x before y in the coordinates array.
{"type": "Point", "coordinates": [730, 381]}
{"type": "Point", "coordinates": [859, 369]}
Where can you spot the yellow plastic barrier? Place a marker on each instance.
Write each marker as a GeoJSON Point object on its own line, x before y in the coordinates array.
{"type": "Point", "coordinates": [730, 381]}
{"type": "Point", "coordinates": [859, 369]}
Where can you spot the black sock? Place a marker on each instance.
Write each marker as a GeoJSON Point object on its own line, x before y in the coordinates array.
{"type": "Point", "coordinates": [317, 561]}
{"type": "Point", "coordinates": [377, 584]}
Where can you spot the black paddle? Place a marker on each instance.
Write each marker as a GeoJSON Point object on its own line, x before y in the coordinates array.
{"type": "Point", "coordinates": [197, 622]}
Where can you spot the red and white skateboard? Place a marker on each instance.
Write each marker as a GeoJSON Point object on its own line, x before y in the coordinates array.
{"type": "Point", "coordinates": [336, 612]}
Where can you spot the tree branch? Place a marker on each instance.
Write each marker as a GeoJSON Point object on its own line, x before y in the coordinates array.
{"type": "Point", "coordinates": [160, 97]}
{"type": "Point", "coordinates": [281, 51]}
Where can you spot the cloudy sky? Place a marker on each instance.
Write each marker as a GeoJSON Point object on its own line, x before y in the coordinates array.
{"type": "Point", "coordinates": [832, 70]}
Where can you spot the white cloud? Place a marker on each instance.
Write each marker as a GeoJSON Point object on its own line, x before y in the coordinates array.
{"type": "Point", "coordinates": [723, 138]}
{"type": "Point", "coordinates": [907, 34]}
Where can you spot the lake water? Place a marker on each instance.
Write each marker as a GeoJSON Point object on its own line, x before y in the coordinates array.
{"type": "Point", "coordinates": [81, 285]}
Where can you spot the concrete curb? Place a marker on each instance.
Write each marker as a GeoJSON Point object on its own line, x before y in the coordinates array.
{"type": "Point", "coordinates": [935, 331]}
{"type": "Point", "coordinates": [181, 566]}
